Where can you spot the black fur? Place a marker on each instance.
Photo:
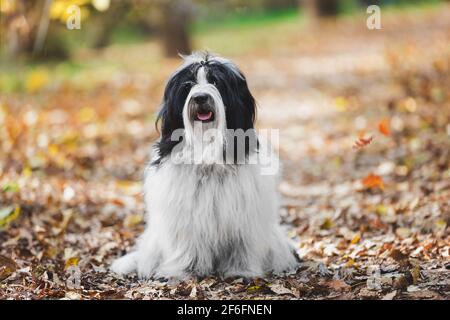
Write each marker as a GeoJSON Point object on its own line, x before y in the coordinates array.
{"type": "Point", "coordinates": [240, 106]}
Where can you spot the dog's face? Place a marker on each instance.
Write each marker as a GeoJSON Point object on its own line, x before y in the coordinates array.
{"type": "Point", "coordinates": [206, 90]}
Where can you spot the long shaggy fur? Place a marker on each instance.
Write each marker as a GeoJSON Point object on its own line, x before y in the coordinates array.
{"type": "Point", "coordinates": [208, 218]}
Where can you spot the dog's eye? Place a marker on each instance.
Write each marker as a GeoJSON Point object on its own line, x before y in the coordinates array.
{"type": "Point", "coordinates": [213, 80]}
{"type": "Point", "coordinates": [188, 84]}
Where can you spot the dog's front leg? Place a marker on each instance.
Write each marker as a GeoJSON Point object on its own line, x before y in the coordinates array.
{"type": "Point", "coordinates": [125, 264]}
{"type": "Point", "coordinates": [144, 260]}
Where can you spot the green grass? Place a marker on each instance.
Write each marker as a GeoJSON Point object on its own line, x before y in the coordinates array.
{"type": "Point", "coordinates": [239, 20]}
{"type": "Point", "coordinates": [352, 7]}
{"type": "Point", "coordinates": [244, 32]}
{"type": "Point", "coordinates": [125, 35]}
{"type": "Point", "coordinates": [405, 4]}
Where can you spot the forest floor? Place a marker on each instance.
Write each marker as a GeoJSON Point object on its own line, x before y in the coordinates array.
{"type": "Point", "coordinates": [364, 119]}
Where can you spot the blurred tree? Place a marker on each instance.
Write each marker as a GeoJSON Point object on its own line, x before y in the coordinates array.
{"type": "Point", "coordinates": [43, 25]}
{"type": "Point", "coordinates": [19, 22]}
{"type": "Point", "coordinates": [176, 19]}
{"type": "Point", "coordinates": [279, 4]}
{"type": "Point", "coordinates": [26, 26]}
{"type": "Point", "coordinates": [103, 25]}
{"type": "Point", "coordinates": [31, 28]}
{"type": "Point", "coordinates": [366, 3]}
{"type": "Point", "coordinates": [321, 8]}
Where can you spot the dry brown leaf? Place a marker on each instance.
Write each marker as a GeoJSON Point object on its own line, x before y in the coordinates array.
{"type": "Point", "coordinates": [280, 289]}
{"type": "Point", "coordinates": [362, 142]}
{"type": "Point", "coordinates": [7, 267]}
{"type": "Point", "coordinates": [337, 285]}
{"type": "Point", "coordinates": [390, 295]}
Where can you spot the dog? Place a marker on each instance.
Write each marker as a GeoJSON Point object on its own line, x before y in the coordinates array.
{"type": "Point", "coordinates": [210, 210]}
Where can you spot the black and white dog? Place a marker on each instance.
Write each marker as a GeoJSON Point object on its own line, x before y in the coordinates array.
{"type": "Point", "coordinates": [210, 210]}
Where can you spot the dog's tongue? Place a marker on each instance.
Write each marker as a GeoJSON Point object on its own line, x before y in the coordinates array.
{"type": "Point", "coordinates": [204, 116]}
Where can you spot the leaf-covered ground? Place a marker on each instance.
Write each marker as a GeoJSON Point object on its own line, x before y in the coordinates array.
{"type": "Point", "coordinates": [364, 119]}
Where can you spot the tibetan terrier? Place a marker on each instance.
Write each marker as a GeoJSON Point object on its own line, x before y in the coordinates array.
{"type": "Point", "coordinates": [211, 208]}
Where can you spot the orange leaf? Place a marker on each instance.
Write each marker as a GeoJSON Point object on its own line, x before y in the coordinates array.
{"type": "Point", "coordinates": [373, 181]}
{"type": "Point", "coordinates": [384, 127]}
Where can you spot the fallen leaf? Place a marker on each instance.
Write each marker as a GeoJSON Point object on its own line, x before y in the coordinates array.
{"type": "Point", "coordinates": [413, 288]}
{"type": "Point", "coordinates": [254, 288]}
{"type": "Point", "coordinates": [390, 295]}
{"type": "Point", "coordinates": [327, 224]}
{"type": "Point", "coordinates": [368, 294]}
{"type": "Point", "coordinates": [350, 263]}
{"type": "Point", "coordinates": [337, 285]}
{"type": "Point", "coordinates": [193, 293]}
{"type": "Point", "coordinates": [8, 214]}
{"type": "Point", "coordinates": [341, 104]}
{"type": "Point", "coordinates": [67, 216]}
{"type": "Point", "coordinates": [401, 282]}
{"type": "Point", "coordinates": [415, 273]}
{"type": "Point", "coordinates": [7, 267]}
{"type": "Point", "coordinates": [362, 142]}
{"type": "Point", "coordinates": [71, 295]}
{"type": "Point", "coordinates": [132, 220]}
{"type": "Point", "coordinates": [373, 181]}
{"type": "Point", "coordinates": [384, 127]}
{"type": "Point", "coordinates": [36, 80]}
{"type": "Point", "coordinates": [72, 261]}
{"type": "Point", "coordinates": [398, 256]}
{"type": "Point", "coordinates": [11, 187]}
{"type": "Point", "coordinates": [356, 238]}
{"type": "Point", "coordinates": [403, 232]}
{"type": "Point", "coordinates": [280, 289]}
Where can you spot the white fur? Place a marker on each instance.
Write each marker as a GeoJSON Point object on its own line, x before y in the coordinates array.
{"type": "Point", "coordinates": [185, 222]}
{"type": "Point", "coordinates": [209, 218]}
{"type": "Point", "coordinates": [197, 57]}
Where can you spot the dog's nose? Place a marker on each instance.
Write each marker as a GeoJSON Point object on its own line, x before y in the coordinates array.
{"type": "Point", "coordinates": [200, 98]}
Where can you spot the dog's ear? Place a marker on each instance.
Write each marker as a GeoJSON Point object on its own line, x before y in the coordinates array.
{"type": "Point", "coordinates": [238, 100]}
{"type": "Point", "coordinates": [248, 103]}
{"type": "Point", "coordinates": [168, 124]}
{"type": "Point", "coordinates": [242, 116]}
{"type": "Point", "coordinates": [170, 116]}
{"type": "Point", "coordinates": [240, 106]}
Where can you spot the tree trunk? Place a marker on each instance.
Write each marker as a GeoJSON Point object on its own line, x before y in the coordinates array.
{"type": "Point", "coordinates": [104, 23]}
{"type": "Point", "coordinates": [176, 15]}
{"type": "Point", "coordinates": [42, 28]}
{"type": "Point", "coordinates": [21, 27]}
{"type": "Point", "coordinates": [366, 3]}
{"type": "Point", "coordinates": [28, 31]}
{"type": "Point", "coordinates": [321, 8]}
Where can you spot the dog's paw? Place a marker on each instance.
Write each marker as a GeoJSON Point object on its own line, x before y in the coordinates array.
{"type": "Point", "coordinates": [125, 264]}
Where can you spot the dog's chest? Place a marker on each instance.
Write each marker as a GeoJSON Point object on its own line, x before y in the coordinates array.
{"type": "Point", "coordinates": [208, 193]}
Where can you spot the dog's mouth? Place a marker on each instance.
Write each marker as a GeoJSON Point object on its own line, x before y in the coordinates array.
{"type": "Point", "coordinates": [202, 106]}
{"type": "Point", "coordinates": [205, 116]}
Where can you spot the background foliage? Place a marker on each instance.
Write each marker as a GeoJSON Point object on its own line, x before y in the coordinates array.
{"type": "Point", "coordinates": [364, 141]}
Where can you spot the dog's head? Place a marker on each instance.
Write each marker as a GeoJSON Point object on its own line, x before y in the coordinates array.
{"type": "Point", "coordinates": [206, 90]}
